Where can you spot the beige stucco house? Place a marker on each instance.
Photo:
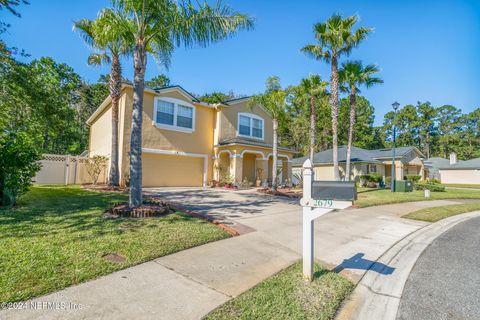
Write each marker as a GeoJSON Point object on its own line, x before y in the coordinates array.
{"type": "Point", "coordinates": [408, 161]}
{"type": "Point", "coordinates": [187, 142]}
{"type": "Point", "coordinates": [454, 171]}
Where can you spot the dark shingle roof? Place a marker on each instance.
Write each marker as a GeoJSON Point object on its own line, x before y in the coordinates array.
{"type": "Point", "coordinates": [249, 142]}
{"type": "Point", "coordinates": [358, 155]}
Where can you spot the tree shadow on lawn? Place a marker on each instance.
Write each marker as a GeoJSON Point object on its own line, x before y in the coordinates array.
{"type": "Point", "coordinates": [60, 210]}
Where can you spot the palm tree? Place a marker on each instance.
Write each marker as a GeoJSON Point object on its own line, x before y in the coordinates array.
{"type": "Point", "coordinates": [335, 38]}
{"type": "Point", "coordinates": [352, 75]}
{"type": "Point", "coordinates": [314, 90]}
{"type": "Point", "coordinates": [110, 44]}
{"type": "Point", "coordinates": [157, 27]}
{"type": "Point", "coordinates": [273, 100]}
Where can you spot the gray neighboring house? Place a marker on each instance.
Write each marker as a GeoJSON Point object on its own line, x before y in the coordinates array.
{"type": "Point", "coordinates": [432, 166]}
{"type": "Point", "coordinates": [459, 172]}
{"type": "Point", "coordinates": [408, 160]}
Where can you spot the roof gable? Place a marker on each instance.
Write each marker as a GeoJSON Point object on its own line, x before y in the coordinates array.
{"type": "Point", "coordinates": [178, 89]}
{"type": "Point", "coordinates": [358, 155]}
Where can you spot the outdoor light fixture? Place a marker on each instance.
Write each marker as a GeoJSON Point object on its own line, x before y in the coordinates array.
{"type": "Point", "coordinates": [395, 106]}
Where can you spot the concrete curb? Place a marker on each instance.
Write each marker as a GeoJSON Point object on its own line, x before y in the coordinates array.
{"type": "Point", "coordinates": [378, 294]}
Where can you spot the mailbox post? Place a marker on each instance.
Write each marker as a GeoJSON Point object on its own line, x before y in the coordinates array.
{"type": "Point", "coordinates": [313, 209]}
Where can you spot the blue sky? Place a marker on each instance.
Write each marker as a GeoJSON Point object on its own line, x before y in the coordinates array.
{"type": "Point", "coordinates": [427, 50]}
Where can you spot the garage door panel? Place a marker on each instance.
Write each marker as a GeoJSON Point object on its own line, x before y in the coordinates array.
{"type": "Point", "coordinates": [171, 171]}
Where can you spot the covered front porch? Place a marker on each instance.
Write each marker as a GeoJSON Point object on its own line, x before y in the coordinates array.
{"type": "Point", "coordinates": [251, 166]}
{"type": "Point", "coordinates": [404, 168]}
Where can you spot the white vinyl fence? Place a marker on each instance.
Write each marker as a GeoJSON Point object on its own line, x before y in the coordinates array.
{"type": "Point", "coordinates": [65, 169]}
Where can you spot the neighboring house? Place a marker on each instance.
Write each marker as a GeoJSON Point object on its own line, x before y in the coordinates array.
{"type": "Point", "coordinates": [408, 160]}
{"type": "Point", "coordinates": [432, 166]}
{"type": "Point", "coordinates": [460, 172]}
{"type": "Point", "coordinates": [186, 142]}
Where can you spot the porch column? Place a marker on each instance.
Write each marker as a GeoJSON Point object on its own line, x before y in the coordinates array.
{"type": "Point", "coordinates": [262, 163]}
{"type": "Point", "coordinates": [216, 163]}
{"type": "Point", "coordinates": [399, 170]}
{"type": "Point", "coordinates": [237, 167]}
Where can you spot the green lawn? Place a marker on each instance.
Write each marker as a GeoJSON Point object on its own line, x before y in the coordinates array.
{"type": "Point", "coordinates": [469, 186]}
{"type": "Point", "coordinates": [56, 237]}
{"type": "Point", "coordinates": [438, 213]}
{"type": "Point", "coordinates": [374, 197]}
{"type": "Point", "coordinates": [287, 295]}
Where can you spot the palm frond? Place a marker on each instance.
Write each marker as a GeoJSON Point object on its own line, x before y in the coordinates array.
{"type": "Point", "coordinates": [98, 58]}
{"type": "Point", "coordinates": [86, 30]}
{"type": "Point", "coordinates": [316, 52]}
{"type": "Point", "coordinates": [205, 24]}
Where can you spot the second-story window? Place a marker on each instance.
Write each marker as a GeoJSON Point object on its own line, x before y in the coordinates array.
{"type": "Point", "coordinates": [174, 114]}
{"type": "Point", "coordinates": [250, 125]}
{"type": "Point", "coordinates": [165, 112]}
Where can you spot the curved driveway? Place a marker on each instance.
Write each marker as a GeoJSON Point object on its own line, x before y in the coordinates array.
{"type": "Point", "coordinates": [445, 281]}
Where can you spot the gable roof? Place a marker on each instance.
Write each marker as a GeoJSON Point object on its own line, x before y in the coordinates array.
{"type": "Point", "coordinates": [179, 88]}
{"type": "Point", "coordinates": [158, 90]}
{"type": "Point", "coordinates": [471, 164]}
{"type": "Point", "coordinates": [249, 142]}
{"type": "Point", "coordinates": [436, 162]}
{"type": "Point", "coordinates": [237, 100]}
{"type": "Point", "coordinates": [357, 155]}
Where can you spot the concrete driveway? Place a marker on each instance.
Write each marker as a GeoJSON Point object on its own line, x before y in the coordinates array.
{"type": "Point", "coordinates": [227, 206]}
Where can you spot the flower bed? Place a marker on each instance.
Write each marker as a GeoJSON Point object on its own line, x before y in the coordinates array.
{"type": "Point", "coordinates": [284, 192]}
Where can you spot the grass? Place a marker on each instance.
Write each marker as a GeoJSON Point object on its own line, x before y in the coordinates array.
{"type": "Point", "coordinates": [287, 295]}
{"type": "Point", "coordinates": [468, 186]}
{"type": "Point", "coordinates": [56, 237]}
{"type": "Point", "coordinates": [438, 213]}
{"type": "Point", "coordinates": [374, 197]}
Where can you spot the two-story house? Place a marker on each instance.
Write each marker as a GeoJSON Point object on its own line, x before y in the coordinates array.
{"type": "Point", "coordinates": [187, 142]}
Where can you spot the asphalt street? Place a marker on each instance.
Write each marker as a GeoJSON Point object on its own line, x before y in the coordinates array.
{"type": "Point", "coordinates": [445, 281]}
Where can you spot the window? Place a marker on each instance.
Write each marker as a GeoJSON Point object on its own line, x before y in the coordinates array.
{"type": "Point", "coordinates": [185, 117]}
{"type": "Point", "coordinates": [165, 112]}
{"type": "Point", "coordinates": [244, 126]}
{"type": "Point", "coordinates": [174, 114]}
{"type": "Point", "coordinates": [371, 168]}
{"type": "Point", "coordinates": [250, 125]}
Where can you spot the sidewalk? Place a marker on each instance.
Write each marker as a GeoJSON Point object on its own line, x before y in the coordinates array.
{"type": "Point", "coordinates": [190, 283]}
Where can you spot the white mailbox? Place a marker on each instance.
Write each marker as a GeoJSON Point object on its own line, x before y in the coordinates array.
{"type": "Point", "coordinates": [315, 208]}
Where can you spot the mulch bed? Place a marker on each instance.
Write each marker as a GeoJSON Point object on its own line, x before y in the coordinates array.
{"type": "Point", "coordinates": [284, 192]}
{"type": "Point", "coordinates": [104, 188]}
{"type": "Point", "coordinates": [150, 208]}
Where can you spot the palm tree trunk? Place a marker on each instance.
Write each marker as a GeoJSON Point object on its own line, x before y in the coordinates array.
{"type": "Point", "coordinates": [115, 90]}
{"type": "Point", "coordinates": [313, 122]}
{"type": "Point", "coordinates": [275, 154]}
{"type": "Point", "coordinates": [353, 111]}
{"type": "Point", "coordinates": [334, 105]}
{"type": "Point", "coordinates": [140, 60]}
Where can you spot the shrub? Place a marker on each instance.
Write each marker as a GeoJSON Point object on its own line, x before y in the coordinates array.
{"type": "Point", "coordinates": [433, 187]}
{"type": "Point", "coordinates": [388, 180]}
{"type": "Point", "coordinates": [95, 165]}
{"type": "Point", "coordinates": [376, 177]}
{"type": "Point", "coordinates": [412, 177]}
{"type": "Point", "coordinates": [18, 165]}
{"type": "Point", "coordinates": [370, 179]}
